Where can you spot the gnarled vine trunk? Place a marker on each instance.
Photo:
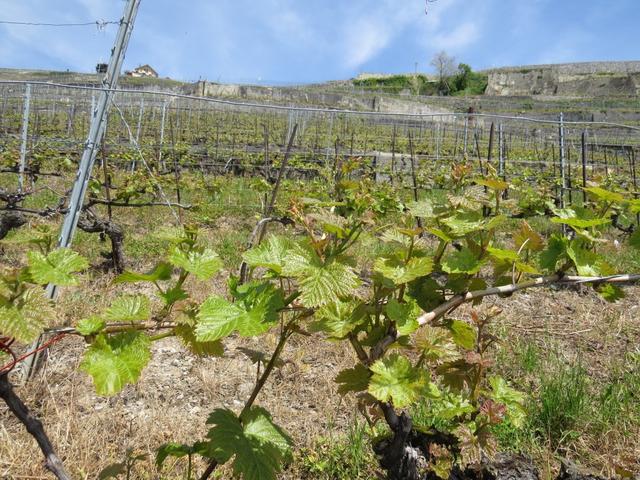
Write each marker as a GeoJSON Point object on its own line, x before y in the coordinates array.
{"type": "Point", "coordinates": [33, 426]}
{"type": "Point", "coordinates": [10, 220]}
{"type": "Point", "coordinates": [115, 234]}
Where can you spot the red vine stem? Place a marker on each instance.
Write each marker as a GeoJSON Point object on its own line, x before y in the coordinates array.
{"type": "Point", "coordinates": [5, 346]}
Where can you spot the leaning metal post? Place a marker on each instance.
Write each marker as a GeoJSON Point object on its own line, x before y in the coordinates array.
{"type": "Point", "coordinates": [92, 144]}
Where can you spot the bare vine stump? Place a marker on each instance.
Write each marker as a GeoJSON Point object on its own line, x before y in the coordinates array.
{"type": "Point", "coordinates": [569, 471]}
{"type": "Point", "coordinates": [10, 220]}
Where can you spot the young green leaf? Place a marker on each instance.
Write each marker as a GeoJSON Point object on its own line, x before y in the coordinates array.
{"type": "Point", "coordinates": [129, 309]}
{"type": "Point", "coordinates": [253, 314]}
{"type": "Point", "coordinates": [611, 293]}
{"type": "Point", "coordinates": [354, 379]}
{"type": "Point", "coordinates": [26, 317]}
{"type": "Point", "coordinates": [258, 447]}
{"type": "Point", "coordinates": [57, 267]}
{"type": "Point", "coordinates": [90, 326]}
{"type": "Point", "coordinates": [115, 361]}
{"type": "Point", "coordinates": [202, 349]}
{"type": "Point", "coordinates": [395, 379]}
{"type": "Point", "coordinates": [405, 316]}
{"type": "Point", "coordinates": [400, 272]}
{"type": "Point", "coordinates": [203, 265]}
{"type": "Point", "coordinates": [462, 261]}
{"type": "Point", "coordinates": [556, 250]}
{"type": "Point", "coordinates": [320, 283]}
{"type": "Point", "coordinates": [512, 399]}
{"type": "Point", "coordinates": [269, 254]}
{"type": "Point", "coordinates": [162, 271]}
{"type": "Point", "coordinates": [337, 319]}
{"type": "Point", "coordinates": [463, 334]}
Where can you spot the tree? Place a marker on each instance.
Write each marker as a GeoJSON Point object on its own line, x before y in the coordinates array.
{"type": "Point", "coordinates": [462, 77]}
{"type": "Point", "coordinates": [445, 66]}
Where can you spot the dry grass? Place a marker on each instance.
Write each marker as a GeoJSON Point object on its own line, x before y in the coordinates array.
{"type": "Point", "coordinates": [177, 390]}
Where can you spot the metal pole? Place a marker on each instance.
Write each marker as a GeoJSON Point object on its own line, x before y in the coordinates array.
{"type": "Point", "coordinates": [25, 132]}
{"type": "Point", "coordinates": [164, 116]}
{"type": "Point", "coordinates": [96, 131]}
{"type": "Point", "coordinates": [563, 173]}
{"type": "Point", "coordinates": [466, 136]}
{"type": "Point", "coordinates": [140, 113]}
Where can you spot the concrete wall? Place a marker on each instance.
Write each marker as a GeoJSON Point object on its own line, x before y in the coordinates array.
{"type": "Point", "coordinates": [301, 96]}
{"type": "Point", "coordinates": [580, 79]}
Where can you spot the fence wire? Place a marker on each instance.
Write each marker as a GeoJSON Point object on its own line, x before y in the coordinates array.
{"type": "Point", "coordinates": [219, 137]}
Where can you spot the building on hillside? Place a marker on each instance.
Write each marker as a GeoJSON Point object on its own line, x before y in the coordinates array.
{"type": "Point", "coordinates": [142, 71]}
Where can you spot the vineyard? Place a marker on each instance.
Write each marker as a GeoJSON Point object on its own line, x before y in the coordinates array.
{"type": "Point", "coordinates": [262, 292]}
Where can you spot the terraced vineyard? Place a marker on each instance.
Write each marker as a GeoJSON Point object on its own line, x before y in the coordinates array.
{"type": "Point", "coordinates": [309, 293]}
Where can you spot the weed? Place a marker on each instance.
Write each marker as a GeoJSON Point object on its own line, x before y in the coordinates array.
{"type": "Point", "coordinates": [562, 404]}
{"type": "Point", "coordinates": [336, 458]}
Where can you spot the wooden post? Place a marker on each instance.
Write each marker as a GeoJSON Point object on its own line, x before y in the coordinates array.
{"type": "Point", "coordinates": [413, 177]}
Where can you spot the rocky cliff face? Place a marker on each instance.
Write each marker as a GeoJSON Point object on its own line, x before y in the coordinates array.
{"type": "Point", "coordinates": [593, 79]}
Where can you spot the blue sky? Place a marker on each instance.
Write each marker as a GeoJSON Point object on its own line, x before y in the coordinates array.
{"type": "Point", "coordinates": [290, 41]}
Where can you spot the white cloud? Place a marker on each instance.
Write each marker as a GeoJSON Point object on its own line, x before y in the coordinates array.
{"type": "Point", "coordinates": [363, 41]}
{"type": "Point", "coordinates": [460, 37]}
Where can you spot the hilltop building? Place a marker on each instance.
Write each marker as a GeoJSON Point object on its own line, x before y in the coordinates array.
{"type": "Point", "coordinates": [142, 71]}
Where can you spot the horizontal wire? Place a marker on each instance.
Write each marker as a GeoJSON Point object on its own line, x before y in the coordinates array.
{"type": "Point", "coordinates": [98, 23]}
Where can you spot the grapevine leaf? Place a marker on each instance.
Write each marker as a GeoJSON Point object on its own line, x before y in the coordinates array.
{"type": "Point", "coordinates": [354, 379]}
{"type": "Point", "coordinates": [115, 361]}
{"type": "Point", "coordinates": [320, 283]}
{"type": "Point", "coordinates": [174, 295]}
{"type": "Point", "coordinates": [504, 255]}
{"type": "Point", "coordinates": [337, 319]}
{"type": "Point", "coordinates": [161, 272]}
{"type": "Point", "coordinates": [129, 309]}
{"type": "Point", "coordinates": [422, 209]}
{"type": "Point", "coordinates": [405, 315]}
{"type": "Point", "coordinates": [269, 254]}
{"type": "Point", "coordinates": [581, 222]}
{"type": "Point", "coordinates": [555, 251]}
{"type": "Point", "coordinates": [463, 223]}
{"type": "Point", "coordinates": [462, 261]}
{"type": "Point", "coordinates": [399, 272]}
{"type": "Point", "coordinates": [203, 265]}
{"type": "Point", "coordinates": [172, 449]}
{"type": "Point", "coordinates": [427, 293]}
{"type": "Point", "coordinates": [258, 447]}
{"type": "Point", "coordinates": [528, 237]}
{"type": "Point", "coordinates": [492, 183]}
{"type": "Point", "coordinates": [435, 343]}
{"type": "Point", "coordinates": [469, 444]}
{"type": "Point", "coordinates": [253, 314]}
{"type": "Point", "coordinates": [25, 318]}
{"type": "Point", "coordinates": [90, 326]}
{"type": "Point", "coordinates": [395, 379]}
{"type": "Point", "coordinates": [463, 334]}
{"type": "Point", "coordinates": [202, 349]}
{"type": "Point", "coordinates": [441, 235]}
{"type": "Point", "coordinates": [216, 319]}
{"type": "Point", "coordinates": [587, 262]}
{"type": "Point", "coordinates": [605, 195]}
{"type": "Point", "coordinates": [512, 399]}
{"type": "Point", "coordinates": [611, 293]}
{"type": "Point", "coordinates": [57, 267]}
